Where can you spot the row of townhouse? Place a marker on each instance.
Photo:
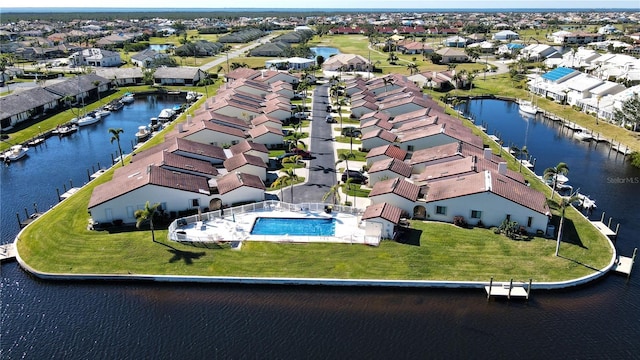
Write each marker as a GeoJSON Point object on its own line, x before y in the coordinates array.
{"type": "Point", "coordinates": [425, 164]}
{"type": "Point", "coordinates": [217, 158]}
{"type": "Point", "coordinates": [590, 93]}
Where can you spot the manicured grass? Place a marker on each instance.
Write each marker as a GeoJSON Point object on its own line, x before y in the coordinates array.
{"type": "Point", "coordinates": [359, 155]}
{"type": "Point", "coordinates": [355, 190]}
{"type": "Point", "coordinates": [348, 140]}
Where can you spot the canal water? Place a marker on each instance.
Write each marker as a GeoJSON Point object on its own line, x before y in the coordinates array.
{"type": "Point", "coordinates": [70, 320]}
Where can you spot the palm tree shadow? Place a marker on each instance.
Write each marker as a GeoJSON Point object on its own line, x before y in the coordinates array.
{"type": "Point", "coordinates": [186, 256]}
{"type": "Point", "coordinates": [569, 233]}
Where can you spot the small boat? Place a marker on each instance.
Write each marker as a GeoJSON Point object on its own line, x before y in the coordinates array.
{"type": "Point", "coordinates": [103, 112]}
{"type": "Point", "coordinates": [559, 179]}
{"type": "Point", "coordinates": [114, 105]}
{"type": "Point", "coordinates": [127, 98]}
{"type": "Point", "coordinates": [142, 133]}
{"type": "Point", "coordinates": [177, 108]}
{"type": "Point", "coordinates": [66, 130]}
{"type": "Point", "coordinates": [166, 115]}
{"type": "Point", "coordinates": [89, 119]}
{"type": "Point", "coordinates": [36, 141]}
{"type": "Point", "coordinates": [154, 124]}
{"type": "Point", "coordinates": [16, 152]}
{"type": "Point", "coordinates": [527, 107]}
{"type": "Point", "coordinates": [191, 96]}
{"type": "Point", "coordinates": [582, 135]}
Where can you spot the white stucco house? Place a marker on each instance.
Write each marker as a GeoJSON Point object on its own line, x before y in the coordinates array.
{"type": "Point", "coordinates": [386, 216]}
{"type": "Point", "coordinates": [396, 191]}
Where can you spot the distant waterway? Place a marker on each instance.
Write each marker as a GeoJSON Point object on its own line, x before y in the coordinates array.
{"type": "Point", "coordinates": [86, 320]}
{"type": "Point", "coordinates": [63, 162]}
{"type": "Point", "coordinates": [324, 51]}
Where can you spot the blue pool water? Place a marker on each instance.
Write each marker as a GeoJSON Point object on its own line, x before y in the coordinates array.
{"type": "Point", "coordinates": [294, 226]}
{"type": "Point", "coordinates": [325, 51]}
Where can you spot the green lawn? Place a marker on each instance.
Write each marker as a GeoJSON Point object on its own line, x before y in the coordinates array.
{"type": "Point", "coordinates": [359, 155]}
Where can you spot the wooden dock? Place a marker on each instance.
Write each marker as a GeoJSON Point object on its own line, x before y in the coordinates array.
{"type": "Point", "coordinates": [605, 229]}
{"type": "Point", "coordinates": [624, 265]}
{"type": "Point", "coordinates": [7, 252]}
{"type": "Point", "coordinates": [508, 290]}
{"type": "Point", "coordinates": [68, 193]}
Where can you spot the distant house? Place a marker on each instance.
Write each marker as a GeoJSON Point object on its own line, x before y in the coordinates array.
{"type": "Point", "coordinates": [388, 169]}
{"type": "Point", "coordinates": [435, 135]}
{"type": "Point", "coordinates": [385, 152]}
{"type": "Point", "coordinates": [251, 148]}
{"type": "Point", "coordinates": [377, 138]}
{"type": "Point", "coordinates": [452, 55]}
{"type": "Point", "coordinates": [147, 57]}
{"type": "Point", "coordinates": [95, 57]}
{"type": "Point", "coordinates": [24, 105]}
{"type": "Point", "coordinates": [183, 147]}
{"type": "Point", "coordinates": [272, 138]}
{"type": "Point", "coordinates": [178, 75]}
{"type": "Point", "coordinates": [122, 76]}
{"type": "Point", "coordinates": [294, 63]}
{"type": "Point", "coordinates": [237, 188]}
{"type": "Point", "coordinates": [506, 35]}
{"type": "Point", "coordinates": [246, 164]}
{"type": "Point", "coordinates": [207, 132]}
{"type": "Point", "coordinates": [346, 62]}
{"type": "Point", "coordinates": [455, 41]}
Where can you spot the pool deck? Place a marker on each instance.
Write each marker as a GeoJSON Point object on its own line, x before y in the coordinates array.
{"type": "Point", "coordinates": [348, 229]}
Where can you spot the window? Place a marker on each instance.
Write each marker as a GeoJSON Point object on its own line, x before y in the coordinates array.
{"type": "Point", "coordinates": [508, 217]}
{"type": "Point", "coordinates": [195, 203]}
{"type": "Point", "coordinates": [529, 221]}
{"type": "Point", "coordinates": [441, 210]}
{"type": "Point", "coordinates": [409, 147]}
{"type": "Point", "coordinates": [476, 214]}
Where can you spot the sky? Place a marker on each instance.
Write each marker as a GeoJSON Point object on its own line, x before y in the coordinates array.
{"type": "Point", "coordinates": [337, 4]}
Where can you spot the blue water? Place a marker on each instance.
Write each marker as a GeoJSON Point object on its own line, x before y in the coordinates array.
{"type": "Point", "coordinates": [159, 47]}
{"type": "Point", "coordinates": [294, 226]}
{"type": "Point", "coordinates": [64, 162]}
{"type": "Point", "coordinates": [127, 320]}
{"type": "Point", "coordinates": [324, 51]}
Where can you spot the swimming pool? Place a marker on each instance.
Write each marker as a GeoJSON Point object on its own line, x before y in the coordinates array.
{"type": "Point", "coordinates": [294, 226]}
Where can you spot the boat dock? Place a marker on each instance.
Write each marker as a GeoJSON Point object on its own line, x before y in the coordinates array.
{"type": "Point", "coordinates": [508, 290]}
{"type": "Point", "coordinates": [7, 252]}
{"type": "Point", "coordinates": [605, 229]}
{"type": "Point", "coordinates": [623, 264]}
{"type": "Point", "coordinates": [69, 192]}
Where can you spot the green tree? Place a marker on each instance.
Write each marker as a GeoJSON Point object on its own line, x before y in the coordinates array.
{"type": "Point", "coordinates": [147, 214]}
{"type": "Point", "coordinates": [4, 63]}
{"type": "Point", "coordinates": [206, 81]}
{"type": "Point", "coordinates": [552, 173]}
{"type": "Point", "coordinates": [288, 178]}
{"type": "Point", "coordinates": [565, 201]}
{"type": "Point", "coordinates": [629, 113]}
{"type": "Point", "coordinates": [115, 136]}
{"type": "Point", "coordinates": [96, 83]}
{"type": "Point", "coordinates": [334, 193]}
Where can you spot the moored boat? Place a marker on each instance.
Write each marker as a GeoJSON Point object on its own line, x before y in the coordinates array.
{"type": "Point", "coordinates": [582, 135]}
{"type": "Point", "coordinates": [142, 133]}
{"type": "Point", "coordinates": [16, 152]}
{"type": "Point", "coordinates": [88, 119]}
{"type": "Point", "coordinates": [66, 130]}
{"type": "Point", "coordinates": [527, 107]}
{"type": "Point", "coordinates": [103, 112]}
{"type": "Point", "coordinates": [127, 98]}
{"type": "Point", "coordinates": [166, 115]}
{"type": "Point", "coordinates": [191, 96]}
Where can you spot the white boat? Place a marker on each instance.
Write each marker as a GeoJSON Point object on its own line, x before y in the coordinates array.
{"type": "Point", "coordinates": [582, 135]}
{"type": "Point", "coordinates": [527, 107]}
{"type": "Point", "coordinates": [142, 133]}
{"type": "Point", "coordinates": [66, 130]}
{"type": "Point", "coordinates": [103, 112]}
{"type": "Point", "coordinates": [191, 96]}
{"type": "Point", "coordinates": [166, 114]}
{"type": "Point", "coordinates": [16, 152]}
{"type": "Point", "coordinates": [127, 98]}
{"type": "Point", "coordinates": [88, 119]}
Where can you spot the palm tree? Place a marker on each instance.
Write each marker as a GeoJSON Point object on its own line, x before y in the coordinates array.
{"type": "Point", "coordinates": [387, 81]}
{"type": "Point", "coordinates": [553, 172]}
{"type": "Point", "coordinates": [96, 83]}
{"type": "Point", "coordinates": [289, 178]}
{"type": "Point", "coordinates": [115, 136]}
{"type": "Point", "coordinates": [565, 201]}
{"type": "Point", "coordinates": [4, 62]}
{"type": "Point", "coordinates": [206, 81]}
{"type": "Point", "coordinates": [145, 214]}
{"type": "Point", "coordinates": [413, 68]}
{"type": "Point", "coordinates": [334, 192]}
{"type": "Point", "coordinates": [344, 156]}
{"type": "Point", "coordinates": [303, 86]}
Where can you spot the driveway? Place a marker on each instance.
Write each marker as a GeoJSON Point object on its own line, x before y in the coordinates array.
{"type": "Point", "coordinates": [322, 172]}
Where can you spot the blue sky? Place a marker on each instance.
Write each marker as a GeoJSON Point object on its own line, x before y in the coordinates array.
{"type": "Point", "coordinates": [360, 4]}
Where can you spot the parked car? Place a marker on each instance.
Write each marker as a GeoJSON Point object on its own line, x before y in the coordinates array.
{"type": "Point", "coordinates": [300, 115]}
{"type": "Point", "coordinates": [330, 119]}
{"type": "Point", "coordinates": [304, 153]}
{"type": "Point", "coordinates": [356, 176]}
{"type": "Point", "coordinates": [351, 131]}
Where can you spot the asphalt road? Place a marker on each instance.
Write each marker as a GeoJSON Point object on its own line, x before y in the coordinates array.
{"type": "Point", "coordinates": [322, 172]}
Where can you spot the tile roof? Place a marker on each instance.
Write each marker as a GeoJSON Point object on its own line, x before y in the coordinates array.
{"type": "Point", "coordinates": [487, 181]}
{"type": "Point", "coordinates": [234, 180]}
{"type": "Point", "coordinates": [245, 146]}
{"type": "Point", "coordinates": [239, 160]}
{"type": "Point", "coordinates": [173, 144]}
{"type": "Point", "coordinates": [265, 119]}
{"type": "Point", "coordinates": [388, 150]}
{"type": "Point", "coordinates": [383, 210]}
{"type": "Point", "coordinates": [210, 126]}
{"type": "Point", "coordinates": [383, 124]}
{"type": "Point", "coordinates": [260, 130]}
{"type": "Point", "coordinates": [132, 178]}
{"type": "Point", "coordinates": [394, 165]}
{"type": "Point", "coordinates": [380, 133]}
{"type": "Point", "coordinates": [397, 186]}
{"type": "Point", "coordinates": [375, 115]}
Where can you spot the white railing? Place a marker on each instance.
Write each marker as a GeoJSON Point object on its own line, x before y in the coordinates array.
{"type": "Point", "coordinates": [175, 234]}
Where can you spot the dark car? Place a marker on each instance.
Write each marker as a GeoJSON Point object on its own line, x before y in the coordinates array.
{"type": "Point", "coordinates": [304, 153]}
{"type": "Point", "coordinates": [330, 119]}
{"type": "Point", "coordinates": [356, 176]}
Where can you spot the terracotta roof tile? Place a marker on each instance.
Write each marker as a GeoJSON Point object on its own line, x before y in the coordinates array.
{"type": "Point", "coordinates": [388, 150]}
{"type": "Point", "coordinates": [234, 180]}
{"type": "Point", "coordinates": [383, 210]}
{"type": "Point", "coordinates": [239, 160]}
{"type": "Point", "coordinates": [394, 165]}
{"type": "Point", "coordinates": [244, 146]}
{"type": "Point", "coordinates": [397, 186]}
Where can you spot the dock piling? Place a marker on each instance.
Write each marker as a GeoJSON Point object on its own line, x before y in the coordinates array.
{"type": "Point", "coordinates": [510, 287]}
{"type": "Point", "coordinates": [488, 290]}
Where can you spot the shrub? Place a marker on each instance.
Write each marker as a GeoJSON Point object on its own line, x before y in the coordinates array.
{"type": "Point", "coordinates": [459, 221]}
